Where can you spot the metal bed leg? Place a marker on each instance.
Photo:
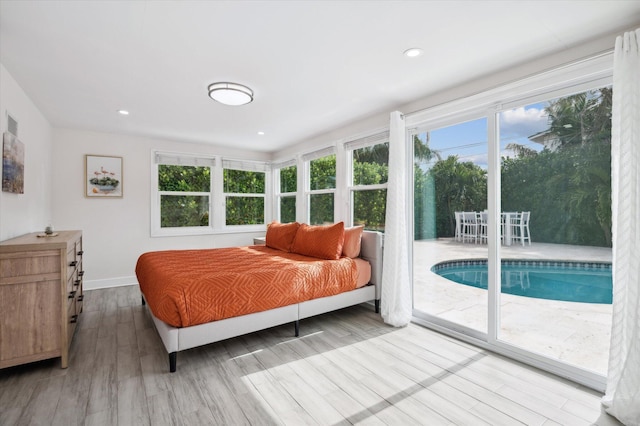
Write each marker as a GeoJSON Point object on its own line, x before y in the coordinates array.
{"type": "Point", "coordinates": [377, 302]}
{"type": "Point", "coordinates": [297, 325]}
{"type": "Point", "coordinates": [173, 358]}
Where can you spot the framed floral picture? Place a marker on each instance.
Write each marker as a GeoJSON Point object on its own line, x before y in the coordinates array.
{"type": "Point", "coordinates": [102, 176]}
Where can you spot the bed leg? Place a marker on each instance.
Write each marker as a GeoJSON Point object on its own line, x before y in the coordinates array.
{"type": "Point", "coordinates": [144, 302]}
{"type": "Point", "coordinates": [297, 325]}
{"type": "Point", "coordinates": [173, 357]}
{"type": "Point", "coordinates": [377, 303]}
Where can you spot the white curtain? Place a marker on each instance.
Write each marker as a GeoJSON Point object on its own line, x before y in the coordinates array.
{"type": "Point", "coordinates": [622, 398]}
{"type": "Point", "coordinates": [396, 287]}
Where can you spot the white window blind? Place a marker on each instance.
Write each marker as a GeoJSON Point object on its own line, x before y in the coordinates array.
{"type": "Point", "coordinates": [284, 164]}
{"type": "Point", "coordinates": [252, 166]}
{"type": "Point", "coordinates": [184, 159]}
{"type": "Point", "coordinates": [319, 154]}
{"type": "Point", "coordinates": [367, 141]}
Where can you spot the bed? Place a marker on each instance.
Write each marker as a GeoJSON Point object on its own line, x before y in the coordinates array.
{"type": "Point", "coordinates": [181, 327]}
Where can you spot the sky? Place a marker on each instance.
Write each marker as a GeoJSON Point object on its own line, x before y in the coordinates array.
{"type": "Point", "coordinates": [469, 140]}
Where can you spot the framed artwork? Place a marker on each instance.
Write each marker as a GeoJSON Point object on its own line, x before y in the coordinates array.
{"type": "Point", "coordinates": [12, 164]}
{"type": "Point", "coordinates": [102, 176]}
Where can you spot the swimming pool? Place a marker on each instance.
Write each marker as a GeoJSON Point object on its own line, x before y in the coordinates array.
{"type": "Point", "coordinates": [587, 282]}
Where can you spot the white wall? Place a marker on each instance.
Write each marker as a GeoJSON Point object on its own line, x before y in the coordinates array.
{"type": "Point", "coordinates": [117, 230]}
{"type": "Point", "coordinates": [31, 211]}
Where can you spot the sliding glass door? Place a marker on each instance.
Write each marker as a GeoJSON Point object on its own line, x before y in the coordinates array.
{"type": "Point", "coordinates": [512, 228]}
{"type": "Point", "coordinates": [556, 199]}
{"type": "Point", "coordinates": [450, 234]}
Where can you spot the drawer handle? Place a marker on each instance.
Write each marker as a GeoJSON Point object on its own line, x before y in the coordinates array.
{"type": "Point", "coordinates": [81, 273]}
{"type": "Point", "coordinates": [76, 283]}
{"type": "Point", "coordinates": [81, 252]}
{"type": "Point", "coordinates": [74, 319]}
{"type": "Point", "coordinates": [74, 263]}
{"type": "Point", "coordinates": [81, 298]}
{"type": "Point", "coordinates": [72, 294]}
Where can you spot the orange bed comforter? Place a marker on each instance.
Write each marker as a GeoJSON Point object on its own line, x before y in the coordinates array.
{"type": "Point", "coordinates": [190, 287]}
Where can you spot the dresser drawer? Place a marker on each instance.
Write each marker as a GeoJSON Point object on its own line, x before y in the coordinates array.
{"type": "Point", "coordinates": [40, 296]}
{"type": "Point", "coordinates": [72, 320]}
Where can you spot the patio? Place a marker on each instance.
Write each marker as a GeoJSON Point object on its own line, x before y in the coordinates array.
{"type": "Point", "coordinates": [576, 333]}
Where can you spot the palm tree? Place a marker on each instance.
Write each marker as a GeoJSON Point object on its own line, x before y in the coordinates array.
{"type": "Point", "coordinates": [582, 118]}
{"type": "Point", "coordinates": [421, 150]}
{"type": "Point", "coordinates": [582, 124]}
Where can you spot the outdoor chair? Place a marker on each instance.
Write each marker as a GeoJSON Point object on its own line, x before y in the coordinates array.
{"type": "Point", "coordinates": [469, 226]}
{"type": "Point", "coordinates": [458, 218]}
{"type": "Point", "coordinates": [520, 228]}
{"type": "Point", "coordinates": [507, 223]}
{"type": "Point", "coordinates": [483, 227]}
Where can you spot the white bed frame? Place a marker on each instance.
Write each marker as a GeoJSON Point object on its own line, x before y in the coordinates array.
{"type": "Point", "coordinates": [179, 339]}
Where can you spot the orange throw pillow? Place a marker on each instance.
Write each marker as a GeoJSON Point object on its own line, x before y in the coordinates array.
{"type": "Point", "coordinates": [281, 235]}
{"type": "Point", "coordinates": [324, 242]}
{"type": "Point", "coordinates": [352, 239]}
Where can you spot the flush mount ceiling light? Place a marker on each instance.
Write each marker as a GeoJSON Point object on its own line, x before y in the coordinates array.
{"type": "Point", "coordinates": [413, 52]}
{"type": "Point", "coordinates": [230, 93]}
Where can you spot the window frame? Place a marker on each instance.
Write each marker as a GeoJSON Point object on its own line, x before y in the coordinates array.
{"type": "Point", "coordinates": [351, 188]}
{"type": "Point", "coordinates": [278, 195]}
{"type": "Point", "coordinates": [308, 192]}
{"type": "Point", "coordinates": [179, 159]}
{"type": "Point", "coordinates": [216, 194]}
{"type": "Point", "coordinates": [248, 166]}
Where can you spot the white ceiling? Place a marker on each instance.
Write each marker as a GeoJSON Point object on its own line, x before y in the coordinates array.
{"type": "Point", "coordinates": [313, 65]}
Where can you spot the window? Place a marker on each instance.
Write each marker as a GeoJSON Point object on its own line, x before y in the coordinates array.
{"type": "Point", "coordinates": [287, 187]}
{"type": "Point", "coordinates": [369, 171]}
{"type": "Point", "coordinates": [244, 192]}
{"type": "Point", "coordinates": [183, 194]}
{"type": "Point", "coordinates": [194, 194]}
{"type": "Point", "coordinates": [322, 186]}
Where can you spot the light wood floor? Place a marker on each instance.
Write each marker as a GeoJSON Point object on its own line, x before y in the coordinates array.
{"type": "Point", "coordinates": [347, 367]}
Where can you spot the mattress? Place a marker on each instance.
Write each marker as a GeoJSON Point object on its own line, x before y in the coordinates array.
{"type": "Point", "coordinates": [190, 287]}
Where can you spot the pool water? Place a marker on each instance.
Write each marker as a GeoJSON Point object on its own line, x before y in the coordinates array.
{"type": "Point", "coordinates": [587, 282]}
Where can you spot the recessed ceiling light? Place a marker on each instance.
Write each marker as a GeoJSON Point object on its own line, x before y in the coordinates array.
{"type": "Point", "coordinates": [230, 93]}
{"type": "Point", "coordinates": [261, 133]}
{"type": "Point", "coordinates": [413, 52]}
{"type": "Point", "coordinates": [123, 112]}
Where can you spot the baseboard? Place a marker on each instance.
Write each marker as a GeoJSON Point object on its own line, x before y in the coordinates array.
{"type": "Point", "coordinates": [109, 282]}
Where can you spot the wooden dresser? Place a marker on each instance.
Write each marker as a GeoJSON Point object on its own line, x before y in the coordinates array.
{"type": "Point", "coordinates": [40, 296]}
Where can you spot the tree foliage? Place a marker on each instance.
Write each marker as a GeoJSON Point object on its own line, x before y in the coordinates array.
{"type": "Point", "coordinates": [459, 186]}
{"type": "Point", "coordinates": [566, 186]}
{"type": "Point", "coordinates": [244, 182]}
{"type": "Point", "coordinates": [244, 210]}
{"type": "Point", "coordinates": [289, 179]}
{"type": "Point", "coordinates": [323, 173]}
{"type": "Point", "coordinates": [288, 209]}
{"type": "Point", "coordinates": [184, 178]}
